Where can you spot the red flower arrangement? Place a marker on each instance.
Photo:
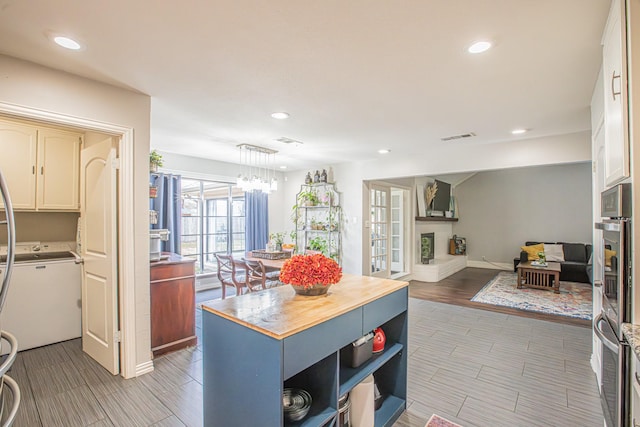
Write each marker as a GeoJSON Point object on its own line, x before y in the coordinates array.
{"type": "Point", "coordinates": [310, 270]}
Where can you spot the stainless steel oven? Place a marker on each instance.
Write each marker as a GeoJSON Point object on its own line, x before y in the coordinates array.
{"type": "Point", "coordinates": [616, 251]}
{"type": "Point", "coordinates": [614, 385]}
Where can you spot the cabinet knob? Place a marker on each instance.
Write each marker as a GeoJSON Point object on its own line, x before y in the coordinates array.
{"type": "Point", "coordinates": [613, 87]}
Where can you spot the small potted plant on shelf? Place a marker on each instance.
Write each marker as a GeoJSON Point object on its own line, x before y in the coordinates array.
{"type": "Point", "coordinates": [308, 198]}
{"type": "Point", "coordinates": [318, 244]}
{"type": "Point", "coordinates": [155, 161]}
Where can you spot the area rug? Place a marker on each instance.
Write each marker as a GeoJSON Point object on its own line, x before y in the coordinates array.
{"type": "Point", "coordinates": [574, 299]}
{"type": "Point", "coordinates": [436, 421]}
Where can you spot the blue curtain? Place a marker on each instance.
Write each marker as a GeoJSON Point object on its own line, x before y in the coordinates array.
{"type": "Point", "coordinates": [256, 232]}
{"type": "Point", "coordinates": [168, 204]}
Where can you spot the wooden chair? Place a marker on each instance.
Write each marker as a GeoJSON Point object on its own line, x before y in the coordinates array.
{"type": "Point", "coordinates": [230, 273]}
{"type": "Point", "coordinates": [257, 278]}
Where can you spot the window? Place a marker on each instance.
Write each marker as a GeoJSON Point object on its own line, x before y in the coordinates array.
{"type": "Point", "coordinates": [212, 222]}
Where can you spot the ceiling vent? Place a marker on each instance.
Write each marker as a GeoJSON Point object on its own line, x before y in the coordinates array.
{"type": "Point", "coordinates": [286, 140]}
{"type": "Point", "coordinates": [464, 135]}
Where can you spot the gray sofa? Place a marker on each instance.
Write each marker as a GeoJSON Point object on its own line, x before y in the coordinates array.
{"type": "Point", "coordinates": [575, 268]}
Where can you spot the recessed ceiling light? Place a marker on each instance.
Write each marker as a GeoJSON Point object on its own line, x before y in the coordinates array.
{"type": "Point", "coordinates": [518, 131]}
{"type": "Point", "coordinates": [67, 43]}
{"type": "Point", "coordinates": [384, 151]}
{"type": "Point", "coordinates": [280, 115]}
{"type": "Point", "coordinates": [283, 167]}
{"type": "Point", "coordinates": [479, 47]}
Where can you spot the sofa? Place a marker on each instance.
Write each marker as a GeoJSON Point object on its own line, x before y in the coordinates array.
{"type": "Point", "coordinates": [574, 268]}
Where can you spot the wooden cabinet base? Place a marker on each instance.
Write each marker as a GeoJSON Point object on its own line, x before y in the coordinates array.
{"type": "Point", "coordinates": [176, 345]}
{"type": "Point", "coordinates": [173, 305]}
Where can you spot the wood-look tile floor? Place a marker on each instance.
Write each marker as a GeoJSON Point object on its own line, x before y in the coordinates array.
{"type": "Point", "coordinates": [474, 367]}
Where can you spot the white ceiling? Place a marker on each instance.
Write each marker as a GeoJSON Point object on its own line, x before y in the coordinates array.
{"type": "Point", "coordinates": [356, 75]}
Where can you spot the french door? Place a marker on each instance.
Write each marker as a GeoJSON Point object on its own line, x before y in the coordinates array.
{"type": "Point", "coordinates": [213, 221]}
{"type": "Point", "coordinates": [397, 230]}
{"type": "Point", "coordinates": [380, 230]}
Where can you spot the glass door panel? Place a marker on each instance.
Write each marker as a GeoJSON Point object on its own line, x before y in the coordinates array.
{"type": "Point", "coordinates": [379, 200]}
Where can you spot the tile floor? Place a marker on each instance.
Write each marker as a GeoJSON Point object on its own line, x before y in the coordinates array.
{"type": "Point", "coordinates": [474, 367]}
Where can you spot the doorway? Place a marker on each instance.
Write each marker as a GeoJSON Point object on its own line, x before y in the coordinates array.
{"type": "Point", "coordinates": [400, 232]}
{"type": "Point", "coordinates": [389, 228]}
{"type": "Point", "coordinates": [125, 261]}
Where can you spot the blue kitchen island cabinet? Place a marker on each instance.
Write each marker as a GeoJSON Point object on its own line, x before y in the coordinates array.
{"type": "Point", "coordinates": [256, 345]}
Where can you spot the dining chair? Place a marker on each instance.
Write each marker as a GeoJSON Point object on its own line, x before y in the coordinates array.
{"type": "Point", "coordinates": [257, 278]}
{"type": "Point", "coordinates": [231, 273]}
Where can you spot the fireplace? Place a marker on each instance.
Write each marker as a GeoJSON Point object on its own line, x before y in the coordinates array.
{"type": "Point", "coordinates": [427, 247]}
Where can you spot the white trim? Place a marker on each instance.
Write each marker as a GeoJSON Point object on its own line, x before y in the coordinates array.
{"type": "Point", "coordinates": [490, 265]}
{"type": "Point", "coordinates": [126, 218]}
{"type": "Point", "coordinates": [144, 368]}
{"type": "Point", "coordinates": [127, 256]}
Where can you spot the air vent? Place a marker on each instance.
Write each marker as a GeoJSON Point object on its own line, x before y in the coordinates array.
{"type": "Point", "coordinates": [286, 140]}
{"type": "Point", "coordinates": [464, 135]}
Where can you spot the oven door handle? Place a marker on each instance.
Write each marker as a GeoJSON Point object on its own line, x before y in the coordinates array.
{"type": "Point", "coordinates": [596, 329]}
{"type": "Point", "coordinates": [607, 226]}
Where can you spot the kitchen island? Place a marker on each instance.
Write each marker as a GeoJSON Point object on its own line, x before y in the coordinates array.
{"type": "Point", "coordinates": [257, 344]}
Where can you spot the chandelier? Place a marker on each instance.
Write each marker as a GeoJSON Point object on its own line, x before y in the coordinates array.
{"type": "Point", "coordinates": [258, 172]}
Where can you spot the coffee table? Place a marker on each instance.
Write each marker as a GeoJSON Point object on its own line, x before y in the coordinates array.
{"type": "Point", "coordinates": [539, 277]}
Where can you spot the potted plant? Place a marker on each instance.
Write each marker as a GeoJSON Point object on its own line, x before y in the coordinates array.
{"type": "Point", "coordinates": [318, 244]}
{"type": "Point", "coordinates": [277, 239]}
{"type": "Point", "coordinates": [310, 274]}
{"type": "Point", "coordinates": [308, 198]}
{"type": "Point", "coordinates": [155, 161]}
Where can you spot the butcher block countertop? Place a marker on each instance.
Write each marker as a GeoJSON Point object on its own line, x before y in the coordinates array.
{"type": "Point", "coordinates": [280, 312]}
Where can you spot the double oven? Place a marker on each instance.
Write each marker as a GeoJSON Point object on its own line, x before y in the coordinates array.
{"type": "Point", "coordinates": [616, 303]}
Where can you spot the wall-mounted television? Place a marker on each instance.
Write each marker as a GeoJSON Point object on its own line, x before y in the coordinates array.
{"type": "Point", "coordinates": [441, 201]}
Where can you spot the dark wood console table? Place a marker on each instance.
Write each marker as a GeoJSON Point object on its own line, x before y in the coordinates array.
{"type": "Point", "coordinates": [173, 304]}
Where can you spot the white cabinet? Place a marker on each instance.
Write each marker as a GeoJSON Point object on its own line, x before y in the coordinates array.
{"type": "Point", "coordinates": [41, 166]}
{"type": "Point", "coordinates": [615, 96]}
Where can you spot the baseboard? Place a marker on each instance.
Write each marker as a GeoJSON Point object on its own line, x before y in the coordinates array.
{"type": "Point", "coordinates": [490, 265]}
{"type": "Point", "coordinates": [144, 368]}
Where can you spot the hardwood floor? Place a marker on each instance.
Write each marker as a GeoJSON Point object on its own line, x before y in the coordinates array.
{"type": "Point", "coordinates": [474, 367]}
{"type": "Point", "coordinates": [459, 288]}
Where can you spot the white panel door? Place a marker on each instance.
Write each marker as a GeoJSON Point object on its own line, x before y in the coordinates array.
{"type": "Point", "coordinates": [18, 144]}
{"type": "Point", "coordinates": [379, 207]}
{"type": "Point", "coordinates": [99, 251]}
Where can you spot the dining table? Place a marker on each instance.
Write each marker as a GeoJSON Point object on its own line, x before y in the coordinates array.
{"type": "Point", "coordinates": [270, 264]}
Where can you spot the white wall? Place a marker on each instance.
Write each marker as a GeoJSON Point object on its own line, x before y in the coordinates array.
{"type": "Point", "coordinates": [33, 86]}
{"type": "Point", "coordinates": [500, 210]}
{"type": "Point", "coordinates": [450, 158]}
{"type": "Point", "coordinates": [199, 168]}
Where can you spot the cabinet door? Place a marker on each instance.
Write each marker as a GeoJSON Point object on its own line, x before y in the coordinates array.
{"type": "Point", "coordinates": [18, 162]}
{"type": "Point", "coordinates": [615, 97]}
{"type": "Point", "coordinates": [58, 186]}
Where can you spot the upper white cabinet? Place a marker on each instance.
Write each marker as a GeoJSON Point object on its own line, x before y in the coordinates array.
{"type": "Point", "coordinates": [41, 166]}
{"type": "Point", "coordinates": [615, 96]}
